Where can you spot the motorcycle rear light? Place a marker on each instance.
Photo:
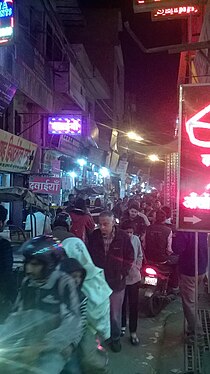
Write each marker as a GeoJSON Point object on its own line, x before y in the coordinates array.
{"type": "Point", "coordinates": [151, 272]}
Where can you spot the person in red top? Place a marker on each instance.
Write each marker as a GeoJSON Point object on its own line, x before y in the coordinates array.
{"type": "Point", "coordinates": [82, 221]}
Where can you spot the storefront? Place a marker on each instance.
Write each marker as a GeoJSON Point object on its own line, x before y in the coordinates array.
{"type": "Point", "coordinates": [16, 161]}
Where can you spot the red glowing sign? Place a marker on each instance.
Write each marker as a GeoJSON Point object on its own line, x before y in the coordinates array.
{"type": "Point", "coordinates": [65, 125]}
{"type": "Point", "coordinates": [174, 12]}
{"type": "Point", "coordinates": [194, 152]}
{"type": "Point", "coordinates": [174, 8]}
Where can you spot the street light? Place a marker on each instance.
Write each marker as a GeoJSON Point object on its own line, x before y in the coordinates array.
{"type": "Point", "coordinates": [82, 162]}
{"type": "Point", "coordinates": [133, 136]}
{"type": "Point", "coordinates": [153, 158]}
{"type": "Point", "coordinates": [104, 172]}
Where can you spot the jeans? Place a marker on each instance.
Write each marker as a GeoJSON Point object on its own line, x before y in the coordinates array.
{"type": "Point", "coordinates": [131, 297]}
{"type": "Point", "coordinates": [187, 288]}
{"type": "Point", "coordinates": [116, 302]}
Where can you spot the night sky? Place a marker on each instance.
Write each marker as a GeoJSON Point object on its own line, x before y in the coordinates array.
{"type": "Point", "coordinates": [152, 78]}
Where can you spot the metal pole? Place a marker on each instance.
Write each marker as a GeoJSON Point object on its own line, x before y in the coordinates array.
{"type": "Point", "coordinates": [196, 307]}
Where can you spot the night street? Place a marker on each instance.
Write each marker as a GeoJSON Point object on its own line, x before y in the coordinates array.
{"type": "Point", "coordinates": [104, 186]}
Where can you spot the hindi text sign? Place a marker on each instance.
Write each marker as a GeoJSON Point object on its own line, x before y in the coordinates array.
{"type": "Point", "coordinates": [194, 153]}
{"type": "Point", "coordinates": [45, 185]}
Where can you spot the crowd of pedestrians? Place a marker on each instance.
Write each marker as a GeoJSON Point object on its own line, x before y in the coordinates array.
{"type": "Point", "coordinates": [82, 282]}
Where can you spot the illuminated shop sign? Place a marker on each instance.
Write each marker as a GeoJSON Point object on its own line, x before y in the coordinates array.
{"type": "Point", "coordinates": [65, 125]}
{"type": "Point", "coordinates": [194, 153]}
{"type": "Point", "coordinates": [175, 12]}
{"type": "Point", "coordinates": [158, 5]}
{"type": "Point", "coordinates": [6, 21]}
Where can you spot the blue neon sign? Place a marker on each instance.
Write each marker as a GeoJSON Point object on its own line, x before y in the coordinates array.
{"type": "Point", "coordinates": [6, 9]}
{"type": "Point", "coordinates": [6, 21]}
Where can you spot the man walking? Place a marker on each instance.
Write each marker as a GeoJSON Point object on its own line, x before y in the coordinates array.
{"type": "Point", "coordinates": [184, 245]}
{"type": "Point", "coordinates": [111, 250]}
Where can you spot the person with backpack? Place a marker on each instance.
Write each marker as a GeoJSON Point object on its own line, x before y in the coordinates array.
{"type": "Point", "coordinates": [46, 308]}
{"type": "Point", "coordinates": [82, 221]}
{"type": "Point", "coordinates": [62, 226]}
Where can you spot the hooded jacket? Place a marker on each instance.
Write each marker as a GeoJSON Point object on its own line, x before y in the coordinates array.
{"type": "Point", "coordinates": [82, 223]}
{"type": "Point", "coordinates": [44, 312]}
{"type": "Point", "coordinates": [94, 287]}
{"type": "Point", "coordinates": [70, 266]}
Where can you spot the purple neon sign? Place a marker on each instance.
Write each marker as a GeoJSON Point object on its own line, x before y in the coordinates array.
{"type": "Point", "coordinates": [65, 125]}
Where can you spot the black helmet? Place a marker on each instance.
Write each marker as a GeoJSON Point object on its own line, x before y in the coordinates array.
{"type": "Point", "coordinates": [63, 219]}
{"type": "Point", "coordinates": [44, 248]}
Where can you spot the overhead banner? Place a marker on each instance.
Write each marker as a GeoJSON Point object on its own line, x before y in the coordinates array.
{"type": "Point", "coordinates": [45, 185]}
{"type": "Point", "coordinates": [16, 154]}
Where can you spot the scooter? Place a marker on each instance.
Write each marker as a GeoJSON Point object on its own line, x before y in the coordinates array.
{"type": "Point", "coordinates": [155, 280]}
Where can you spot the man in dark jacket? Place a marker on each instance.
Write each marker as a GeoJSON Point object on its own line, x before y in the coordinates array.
{"type": "Point", "coordinates": [7, 289]}
{"type": "Point", "coordinates": [139, 220]}
{"type": "Point", "coordinates": [111, 250]}
{"type": "Point", "coordinates": [158, 247]}
{"type": "Point", "coordinates": [158, 240]}
{"type": "Point", "coordinates": [184, 245]}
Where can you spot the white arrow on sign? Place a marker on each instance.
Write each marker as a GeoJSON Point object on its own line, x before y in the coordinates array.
{"type": "Point", "coordinates": [192, 219]}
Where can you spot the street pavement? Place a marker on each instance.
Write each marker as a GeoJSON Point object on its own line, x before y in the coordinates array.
{"type": "Point", "coordinates": [161, 349]}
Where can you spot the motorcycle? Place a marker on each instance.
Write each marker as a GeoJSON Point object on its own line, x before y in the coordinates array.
{"type": "Point", "coordinates": [155, 282]}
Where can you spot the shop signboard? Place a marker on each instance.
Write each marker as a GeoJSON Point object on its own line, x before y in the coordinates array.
{"type": "Point", "coordinates": [45, 185]}
{"type": "Point", "coordinates": [161, 14]}
{"type": "Point", "coordinates": [7, 92]}
{"type": "Point", "coordinates": [69, 146]}
{"type": "Point", "coordinates": [16, 154]}
{"type": "Point", "coordinates": [141, 6]}
{"type": "Point", "coordinates": [6, 21]}
{"type": "Point", "coordinates": [194, 154]}
{"type": "Point", "coordinates": [65, 124]}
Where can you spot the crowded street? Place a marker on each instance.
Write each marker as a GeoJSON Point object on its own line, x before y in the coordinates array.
{"type": "Point", "coordinates": [104, 187]}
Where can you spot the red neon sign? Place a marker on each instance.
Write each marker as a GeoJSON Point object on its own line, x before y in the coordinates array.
{"type": "Point", "coordinates": [195, 123]}
{"type": "Point", "coordinates": [172, 12]}
{"type": "Point", "coordinates": [194, 153]}
{"type": "Point", "coordinates": [195, 201]}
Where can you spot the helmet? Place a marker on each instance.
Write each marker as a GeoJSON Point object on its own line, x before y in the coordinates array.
{"type": "Point", "coordinates": [63, 219]}
{"type": "Point", "coordinates": [45, 249]}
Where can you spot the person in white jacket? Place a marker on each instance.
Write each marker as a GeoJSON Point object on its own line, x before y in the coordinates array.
{"type": "Point", "coordinates": [96, 289]}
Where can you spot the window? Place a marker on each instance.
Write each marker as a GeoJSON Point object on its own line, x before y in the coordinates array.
{"type": "Point", "coordinates": [36, 29]}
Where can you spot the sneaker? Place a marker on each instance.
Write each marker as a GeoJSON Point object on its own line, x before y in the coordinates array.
{"type": "Point", "coordinates": [116, 346]}
{"type": "Point", "coordinates": [123, 329]}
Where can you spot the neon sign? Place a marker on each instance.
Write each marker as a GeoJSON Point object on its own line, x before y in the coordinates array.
{"type": "Point", "coordinates": [6, 21]}
{"type": "Point", "coordinates": [175, 12]}
{"type": "Point", "coordinates": [65, 125]}
{"type": "Point", "coordinates": [195, 201]}
{"type": "Point", "coordinates": [174, 7]}
{"type": "Point", "coordinates": [194, 123]}
{"type": "Point", "coordinates": [194, 153]}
